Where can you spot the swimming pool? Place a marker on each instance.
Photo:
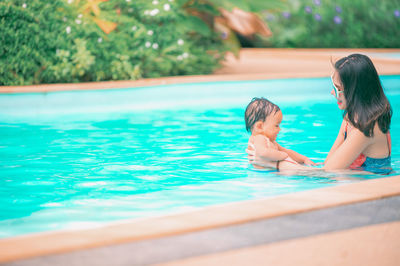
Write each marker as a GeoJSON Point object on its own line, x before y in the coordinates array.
{"type": "Point", "coordinates": [83, 158]}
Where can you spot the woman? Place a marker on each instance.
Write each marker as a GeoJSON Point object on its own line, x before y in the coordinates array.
{"type": "Point", "coordinates": [363, 141]}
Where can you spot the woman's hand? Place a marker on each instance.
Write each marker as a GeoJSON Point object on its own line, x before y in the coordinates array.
{"type": "Point", "coordinates": [251, 153]}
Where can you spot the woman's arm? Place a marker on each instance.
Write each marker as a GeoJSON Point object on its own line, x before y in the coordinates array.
{"type": "Point", "coordinates": [339, 140]}
{"type": "Point", "coordinates": [344, 154]}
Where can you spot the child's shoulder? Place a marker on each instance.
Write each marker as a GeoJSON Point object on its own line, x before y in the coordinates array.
{"type": "Point", "coordinates": [259, 138]}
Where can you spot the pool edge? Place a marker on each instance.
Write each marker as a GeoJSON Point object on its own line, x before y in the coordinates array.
{"type": "Point", "coordinates": [42, 244]}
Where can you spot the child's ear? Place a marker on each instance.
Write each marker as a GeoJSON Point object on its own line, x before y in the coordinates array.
{"type": "Point", "coordinates": [258, 126]}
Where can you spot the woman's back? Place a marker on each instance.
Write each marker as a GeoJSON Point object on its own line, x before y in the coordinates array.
{"type": "Point", "coordinates": [380, 145]}
{"type": "Point", "coordinates": [375, 157]}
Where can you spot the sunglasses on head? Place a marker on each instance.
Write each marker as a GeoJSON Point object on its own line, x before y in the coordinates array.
{"type": "Point", "coordinates": [337, 91]}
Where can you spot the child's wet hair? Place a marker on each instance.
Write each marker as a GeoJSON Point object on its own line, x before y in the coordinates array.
{"type": "Point", "coordinates": [258, 110]}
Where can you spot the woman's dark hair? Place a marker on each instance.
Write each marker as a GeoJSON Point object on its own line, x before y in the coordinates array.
{"type": "Point", "coordinates": [258, 110]}
{"type": "Point", "coordinates": [366, 101]}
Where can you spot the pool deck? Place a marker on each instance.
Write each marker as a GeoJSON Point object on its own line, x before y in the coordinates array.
{"type": "Point", "coordinates": [253, 64]}
{"type": "Point", "coordinates": [348, 224]}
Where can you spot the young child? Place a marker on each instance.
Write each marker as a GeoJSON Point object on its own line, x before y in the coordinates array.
{"type": "Point", "coordinates": [263, 119]}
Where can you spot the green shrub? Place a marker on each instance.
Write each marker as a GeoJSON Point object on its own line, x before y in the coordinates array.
{"type": "Point", "coordinates": [27, 43]}
{"type": "Point", "coordinates": [336, 24]}
{"type": "Point", "coordinates": [61, 41]}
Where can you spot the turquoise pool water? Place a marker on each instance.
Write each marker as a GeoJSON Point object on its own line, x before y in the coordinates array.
{"type": "Point", "coordinates": [80, 159]}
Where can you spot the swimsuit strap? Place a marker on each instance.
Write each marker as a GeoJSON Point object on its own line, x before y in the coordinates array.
{"type": "Point", "coordinates": [345, 130]}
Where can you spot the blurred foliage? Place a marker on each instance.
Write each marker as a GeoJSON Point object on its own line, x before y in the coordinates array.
{"type": "Point", "coordinates": [95, 40]}
{"type": "Point", "coordinates": [66, 41]}
{"type": "Point", "coordinates": [232, 18]}
{"type": "Point", "coordinates": [335, 24]}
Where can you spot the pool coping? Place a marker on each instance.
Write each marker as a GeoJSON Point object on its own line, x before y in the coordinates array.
{"type": "Point", "coordinates": [47, 243]}
{"type": "Point", "coordinates": [40, 244]}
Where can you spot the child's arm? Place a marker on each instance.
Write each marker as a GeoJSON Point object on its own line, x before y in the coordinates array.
{"type": "Point", "coordinates": [266, 151]}
{"type": "Point", "coordinates": [296, 156]}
